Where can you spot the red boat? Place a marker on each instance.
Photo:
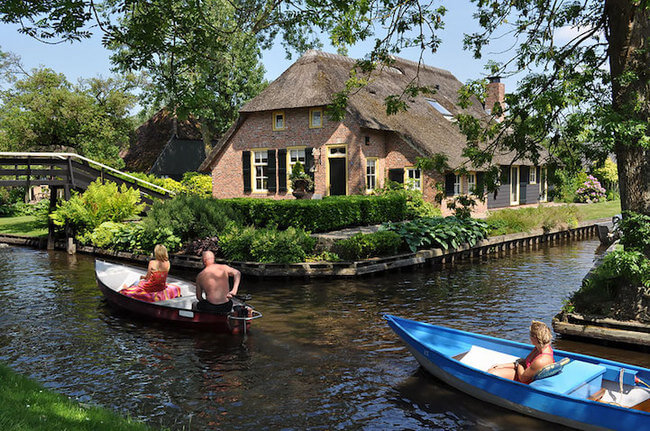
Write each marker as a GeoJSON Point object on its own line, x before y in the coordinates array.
{"type": "Point", "coordinates": [112, 277]}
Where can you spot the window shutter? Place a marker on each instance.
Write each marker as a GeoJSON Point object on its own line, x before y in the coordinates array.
{"type": "Point", "coordinates": [246, 170]}
{"type": "Point", "coordinates": [538, 173]}
{"type": "Point", "coordinates": [480, 181]}
{"type": "Point", "coordinates": [282, 170]}
{"type": "Point", "coordinates": [450, 179]}
{"type": "Point", "coordinates": [309, 162]}
{"type": "Point", "coordinates": [271, 171]}
{"type": "Point", "coordinates": [524, 174]}
{"type": "Point", "coordinates": [505, 174]}
{"type": "Point", "coordinates": [396, 175]}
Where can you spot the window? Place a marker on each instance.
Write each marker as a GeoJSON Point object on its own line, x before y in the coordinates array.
{"type": "Point", "coordinates": [278, 120]}
{"type": "Point", "coordinates": [471, 182]}
{"type": "Point", "coordinates": [315, 118]}
{"type": "Point", "coordinates": [458, 185]}
{"type": "Point", "coordinates": [295, 155]}
{"type": "Point", "coordinates": [413, 179]}
{"type": "Point", "coordinates": [371, 174]}
{"type": "Point", "coordinates": [532, 177]}
{"type": "Point", "coordinates": [260, 170]}
{"type": "Point", "coordinates": [438, 107]}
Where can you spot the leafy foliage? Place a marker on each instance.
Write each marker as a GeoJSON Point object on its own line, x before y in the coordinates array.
{"type": "Point", "coordinates": [416, 206]}
{"type": "Point", "coordinates": [189, 217]}
{"type": "Point", "coordinates": [322, 215]}
{"type": "Point", "coordinates": [590, 191]}
{"type": "Point", "coordinates": [98, 204]}
{"type": "Point", "coordinates": [192, 183]}
{"type": "Point", "coordinates": [363, 246]}
{"type": "Point", "coordinates": [636, 232]}
{"type": "Point", "coordinates": [608, 282]}
{"type": "Point", "coordinates": [44, 112]}
{"type": "Point", "coordinates": [266, 245]}
{"type": "Point", "coordinates": [439, 232]}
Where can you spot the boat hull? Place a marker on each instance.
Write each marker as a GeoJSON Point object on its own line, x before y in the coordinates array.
{"type": "Point", "coordinates": [180, 316]}
{"type": "Point", "coordinates": [571, 411]}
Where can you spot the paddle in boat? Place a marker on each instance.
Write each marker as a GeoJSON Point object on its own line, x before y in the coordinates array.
{"type": "Point", "coordinates": [579, 391]}
{"type": "Point", "coordinates": [112, 277]}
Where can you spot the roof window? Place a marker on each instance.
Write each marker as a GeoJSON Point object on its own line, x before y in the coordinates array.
{"type": "Point", "coordinates": [448, 115]}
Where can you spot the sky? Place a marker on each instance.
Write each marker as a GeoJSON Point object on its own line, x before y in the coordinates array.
{"type": "Point", "coordinates": [88, 58]}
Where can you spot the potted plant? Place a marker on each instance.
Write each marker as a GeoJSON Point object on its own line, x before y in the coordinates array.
{"type": "Point", "coordinates": [301, 182]}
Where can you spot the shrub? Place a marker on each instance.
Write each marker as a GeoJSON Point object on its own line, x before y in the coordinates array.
{"type": "Point", "coordinates": [565, 185]}
{"type": "Point", "coordinates": [189, 217]}
{"type": "Point", "coordinates": [636, 232]}
{"type": "Point", "coordinates": [266, 245]}
{"type": "Point", "coordinates": [98, 204]}
{"type": "Point", "coordinates": [130, 237]}
{"type": "Point", "coordinates": [590, 191]}
{"type": "Point", "coordinates": [449, 232]}
{"type": "Point", "coordinates": [619, 269]}
{"type": "Point", "coordinates": [330, 213]}
{"type": "Point", "coordinates": [363, 246]}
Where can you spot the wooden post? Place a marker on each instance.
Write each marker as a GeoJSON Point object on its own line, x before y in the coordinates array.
{"type": "Point", "coordinates": [69, 235]}
{"type": "Point", "coordinates": [50, 224]}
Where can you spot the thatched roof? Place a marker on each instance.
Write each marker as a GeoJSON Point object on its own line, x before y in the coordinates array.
{"type": "Point", "coordinates": [316, 76]}
{"type": "Point", "coordinates": [151, 138]}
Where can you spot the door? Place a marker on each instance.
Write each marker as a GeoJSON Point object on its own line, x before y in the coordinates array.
{"type": "Point", "coordinates": [337, 176]}
{"type": "Point", "coordinates": [514, 185]}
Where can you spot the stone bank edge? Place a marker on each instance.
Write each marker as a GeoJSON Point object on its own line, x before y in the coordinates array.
{"type": "Point", "coordinates": [489, 246]}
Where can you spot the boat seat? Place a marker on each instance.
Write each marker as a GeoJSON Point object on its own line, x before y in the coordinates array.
{"type": "Point", "coordinates": [581, 379]}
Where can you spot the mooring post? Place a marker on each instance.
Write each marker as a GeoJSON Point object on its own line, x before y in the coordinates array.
{"type": "Point", "coordinates": [69, 236]}
{"type": "Point", "coordinates": [50, 223]}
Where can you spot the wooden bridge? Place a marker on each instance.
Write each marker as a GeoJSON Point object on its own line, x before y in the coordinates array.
{"type": "Point", "coordinates": [64, 172]}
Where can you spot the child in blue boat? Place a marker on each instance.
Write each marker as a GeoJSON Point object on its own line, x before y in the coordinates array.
{"type": "Point", "coordinates": [524, 370]}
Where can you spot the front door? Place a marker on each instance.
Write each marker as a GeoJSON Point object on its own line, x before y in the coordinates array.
{"type": "Point", "coordinates": [337, 176]}
{"type": "Point", "coordinates": [514, 185]}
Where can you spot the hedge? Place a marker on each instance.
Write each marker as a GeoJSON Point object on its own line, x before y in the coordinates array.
{"type": "Point", "coordinates": [363, 246]}
{"type": "Point", "coordinates": [320, 215]}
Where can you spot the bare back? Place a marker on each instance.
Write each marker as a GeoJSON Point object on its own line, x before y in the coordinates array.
{"type": "Point", "coordinates": [213, 280]}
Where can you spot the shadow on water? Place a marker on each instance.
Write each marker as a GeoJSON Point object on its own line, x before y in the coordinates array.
{"type": "Point", "coordinates": [321, 358]}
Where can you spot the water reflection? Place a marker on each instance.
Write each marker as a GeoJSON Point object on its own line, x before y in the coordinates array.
{"type": "Point", "coordinates": [321, 358]}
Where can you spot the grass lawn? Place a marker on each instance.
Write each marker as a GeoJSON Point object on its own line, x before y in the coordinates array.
{"type": "Point", "coordinates": [23, 225]}
{"type": "Point", "coordinates": [26, 405]}
{"type": "Point", "coordinates": [600, 210]}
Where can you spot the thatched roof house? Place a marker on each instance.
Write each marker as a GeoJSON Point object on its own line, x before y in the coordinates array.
{"type": "Point", "coordinates": [389, 142]}
{"type": "Point", "coordinates": [166, 146]}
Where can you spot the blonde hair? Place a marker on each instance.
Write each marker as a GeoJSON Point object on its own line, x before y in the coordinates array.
{"type": "Point", "coordinates": [160, 252]}
{"type": "Point", "coordinates": [541, 332]}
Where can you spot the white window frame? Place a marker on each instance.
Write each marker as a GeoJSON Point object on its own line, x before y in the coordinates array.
{"type": "Point", "coordinates": [532, 175]}
{"type": "Point", "coordinates": [543, 185]}
{"type": "Point", "coordinates": [471, 182]}
{"type": "Point", "coordinates": [259, 163]}
{"type": "Point", "coordinates": [410, 181]}
{"type": "Point", "coordinates": [458, 184]}
{"type": "Point", "coordinates": [371, 174]}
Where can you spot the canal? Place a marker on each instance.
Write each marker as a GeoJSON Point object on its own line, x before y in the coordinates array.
{"type": "Point", "coordinates": [321, 358]}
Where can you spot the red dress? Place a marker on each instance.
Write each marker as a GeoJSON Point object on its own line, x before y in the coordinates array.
{"type": "Point", "coordinates": [154, 289]}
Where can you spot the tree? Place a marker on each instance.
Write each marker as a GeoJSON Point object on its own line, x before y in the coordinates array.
{"type": "Point", "coordinates": [44, 112]}
{"type": "Point", "coordinates": [567, 98]}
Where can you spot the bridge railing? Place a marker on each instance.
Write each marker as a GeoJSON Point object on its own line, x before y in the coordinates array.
{"type": "Point", "coordinates": [62, 169]}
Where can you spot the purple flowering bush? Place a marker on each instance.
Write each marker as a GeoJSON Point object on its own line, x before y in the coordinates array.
{"type": "Point", "coordinates": [591, 191]}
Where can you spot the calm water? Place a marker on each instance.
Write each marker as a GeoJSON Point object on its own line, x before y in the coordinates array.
{"type": "Point", "coordinates": [321, 358]}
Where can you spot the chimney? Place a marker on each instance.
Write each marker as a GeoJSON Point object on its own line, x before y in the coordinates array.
{"type": "Point", "coordinates": [496, 92]}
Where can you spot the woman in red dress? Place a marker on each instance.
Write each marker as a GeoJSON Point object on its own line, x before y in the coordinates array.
{"type": "Point", "coordinates": [153, 287]}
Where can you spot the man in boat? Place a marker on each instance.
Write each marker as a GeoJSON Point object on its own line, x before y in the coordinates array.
{"type": "Point", "coordinates": [214, 280]}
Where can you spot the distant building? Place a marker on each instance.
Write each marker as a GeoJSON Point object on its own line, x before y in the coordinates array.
{"type": "Point", "coordinates": [166, 146]}
{"type": "Point", "coordinates": [286, 123]}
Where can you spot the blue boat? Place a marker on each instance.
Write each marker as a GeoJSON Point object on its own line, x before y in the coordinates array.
{"type": "Point", "coordinates": [589, 393]}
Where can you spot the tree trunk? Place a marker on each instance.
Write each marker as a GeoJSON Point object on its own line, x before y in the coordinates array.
{"type": "Point", "coordinates": [629, 51]}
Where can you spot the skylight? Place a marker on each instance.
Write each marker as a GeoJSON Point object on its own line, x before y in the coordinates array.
{"type": "Point", "coordinates": [448, 115]}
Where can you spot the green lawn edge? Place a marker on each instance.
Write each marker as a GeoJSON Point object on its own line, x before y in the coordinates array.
{"type": "Point", "coordinates": [22, 226]}
{"type": "Point", "coordinates": [26, 405]}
